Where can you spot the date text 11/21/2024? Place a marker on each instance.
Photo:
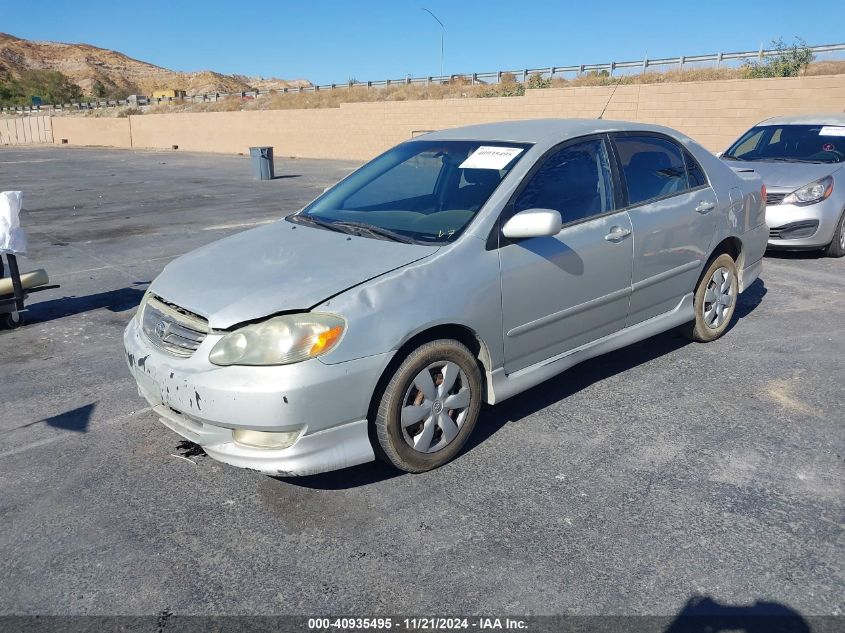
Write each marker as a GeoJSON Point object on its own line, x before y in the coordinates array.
{"type": "Point", "coordinates": [416, 624]}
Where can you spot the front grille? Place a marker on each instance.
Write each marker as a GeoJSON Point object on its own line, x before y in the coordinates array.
{"type": "Point", "coordinates": [774, 198]}
{"type": "Point", "coordinates": [171, 328]}
{"type": "Point", "coordinates": [794, 231]}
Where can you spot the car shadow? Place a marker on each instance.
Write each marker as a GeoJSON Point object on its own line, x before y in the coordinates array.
{"type": "Point", "coordinates": [118, 300]}
{"type": "Point", "coordinates": [569, 383]}
{"type": "Point", "coordinates": [748, 301]}
{"type": "Point", "coordinates": [595, 370]}
{"type": "Point", "coordinates": [811, 254]}
{"type": "Point", "coordinates": [702, 614]}
{"type": "Point", "coordinates": [346, 478]}
{"type": "Point", "coordinates": [493, 418]}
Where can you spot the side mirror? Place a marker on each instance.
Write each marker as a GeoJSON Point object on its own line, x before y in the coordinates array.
{"type": "Point", "coordinates": [533, 223]}
{"type": "Point", "coordinates": [719, 154]}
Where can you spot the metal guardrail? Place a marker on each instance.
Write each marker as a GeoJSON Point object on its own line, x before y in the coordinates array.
{"type": "Point", "coordinates": [475, 78]}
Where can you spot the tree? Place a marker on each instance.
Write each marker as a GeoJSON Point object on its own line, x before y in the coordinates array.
{"type": "Point", "coordinates": [5, 93]}
{"type": "Point", "coordinates": [52, 86]}
{"type": "Point", "coordinates": [99, 90]}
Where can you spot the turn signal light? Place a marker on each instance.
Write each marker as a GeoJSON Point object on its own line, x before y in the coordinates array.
{"type": "Point", "coordinates": [325, 340]}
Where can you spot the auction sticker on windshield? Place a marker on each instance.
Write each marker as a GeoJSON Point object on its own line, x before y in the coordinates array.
{"type": "Point", "coordinates": [827, 130]}
{"type": "Point", "coordinates": [486, 157]}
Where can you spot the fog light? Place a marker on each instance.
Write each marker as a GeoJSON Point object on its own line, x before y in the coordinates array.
{"type": "Point", "coordinates": [264, 439]}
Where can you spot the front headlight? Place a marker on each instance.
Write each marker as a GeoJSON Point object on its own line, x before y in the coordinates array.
{"type": "Point", "coordinates": [812, 193]}
{"type": "Point", "coordinates": [139, 313]}
{"type": "Point", "coordinates": [281, 340]}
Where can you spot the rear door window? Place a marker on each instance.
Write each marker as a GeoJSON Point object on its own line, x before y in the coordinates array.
{"type": "Point", "coordinates": [653, 167]}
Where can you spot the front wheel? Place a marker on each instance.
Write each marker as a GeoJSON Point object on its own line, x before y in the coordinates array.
{"type": "Point", "coordinates": [430, 406]}
{"type": "Point", "coordinates": [836, 248]}
{"type": "Point", "coordinates": [715, 300]}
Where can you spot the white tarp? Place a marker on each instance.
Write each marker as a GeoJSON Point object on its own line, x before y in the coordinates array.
{"type": "Point", "coordinates": [12, 238]}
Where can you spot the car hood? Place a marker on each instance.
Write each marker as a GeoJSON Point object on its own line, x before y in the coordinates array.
{"type": "Point", "coordinates": [786, 175]}
{"type": "Point", "coordinates": [276, 268]}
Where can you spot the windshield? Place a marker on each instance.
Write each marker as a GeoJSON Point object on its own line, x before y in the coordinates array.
{"type": "Point", "coordinates": [791, 143]}
{"type": "Point", "coordinates": [422, 191]}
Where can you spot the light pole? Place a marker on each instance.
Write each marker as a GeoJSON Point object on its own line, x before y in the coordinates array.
{"type": "Point", "coordinates": [442, 35]}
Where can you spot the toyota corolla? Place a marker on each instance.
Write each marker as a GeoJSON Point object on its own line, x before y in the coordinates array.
{"type": "Point", "coordinates": [456, 269]}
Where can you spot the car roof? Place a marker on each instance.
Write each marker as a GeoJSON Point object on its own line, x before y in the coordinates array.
{"type": "Point", "coordinates": [832, 118]}
{"type": "Point", "coordinates": [540, 131]}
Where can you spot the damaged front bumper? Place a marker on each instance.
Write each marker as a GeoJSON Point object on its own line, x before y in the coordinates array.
{"type": "Point", "coordinates": [326, 403]}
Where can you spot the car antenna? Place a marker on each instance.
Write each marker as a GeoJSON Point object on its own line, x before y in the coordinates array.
{"type": "Point", "coordinates": [610, 98]}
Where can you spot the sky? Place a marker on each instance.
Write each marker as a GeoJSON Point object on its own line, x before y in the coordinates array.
{"type": "Point", "coordinates": [332, 41]}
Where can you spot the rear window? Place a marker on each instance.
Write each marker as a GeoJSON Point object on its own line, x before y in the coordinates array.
{"type": "Point", "coordinates": [790, 144]}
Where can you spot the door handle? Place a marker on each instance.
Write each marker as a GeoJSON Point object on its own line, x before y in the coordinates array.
{"type": "Point", "coordinates": [617, 234]}
{"type": "Point", "coordinates": [704, 207]}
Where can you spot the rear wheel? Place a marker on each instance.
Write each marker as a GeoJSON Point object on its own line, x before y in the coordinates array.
{"type": "Point", "coordinates": [836, 248]}
{"type": "Point", "coordinates": [429, 407]}
{"type": "Point", "coordinates": [715, 300]}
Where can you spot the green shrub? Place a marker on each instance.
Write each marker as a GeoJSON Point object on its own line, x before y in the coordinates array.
{"type": "Point", "coordinates": [509, 89]}
{"type": "Point", "coordinates": [789, 61]}
{"type": "Point", "coordinates": [536, 81]}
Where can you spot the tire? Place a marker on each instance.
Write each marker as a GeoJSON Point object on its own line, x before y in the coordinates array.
{"type": "Point", "coordinates": [12, 320]}
{"type": "Point", "coordinates": [715, 300]}
{"type": "Point", "coordinates": [437, 440]}
{"type": "Point", "coordinates": [836, 248]}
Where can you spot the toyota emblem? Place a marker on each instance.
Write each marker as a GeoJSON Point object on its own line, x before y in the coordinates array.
{"type": "Point", "coordinates": [161, 329]}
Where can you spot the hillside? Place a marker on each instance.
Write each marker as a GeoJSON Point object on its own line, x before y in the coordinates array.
{"type": "Point", "coordinates": [86, 65]}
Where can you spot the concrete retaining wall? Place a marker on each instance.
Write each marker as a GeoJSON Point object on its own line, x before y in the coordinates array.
{"type": "Point", "coordinates": [92, 131]}
{"type": "Point", "coordinates": [26, 130]}
{"type": "Point", "coordinates": [712, 112]}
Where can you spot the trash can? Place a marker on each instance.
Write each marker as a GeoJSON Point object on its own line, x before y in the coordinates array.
{"type": "Point", "coordinates": [262, 162]}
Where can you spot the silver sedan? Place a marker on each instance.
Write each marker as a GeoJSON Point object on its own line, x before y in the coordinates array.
{"type": "Point", "coordinates": [457, 268]}
{"type": "Point", "coordinates": [801, 160]}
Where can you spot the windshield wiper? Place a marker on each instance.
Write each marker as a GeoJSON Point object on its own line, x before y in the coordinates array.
{"type": "Point", "coordinates": [376, 230]}
{"type": "Point", "coordinates": [729, 157]}
{"type": "Point", "coordinates": [310, 219]}
{"type": "Point", "coordinates": [783, 159]}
